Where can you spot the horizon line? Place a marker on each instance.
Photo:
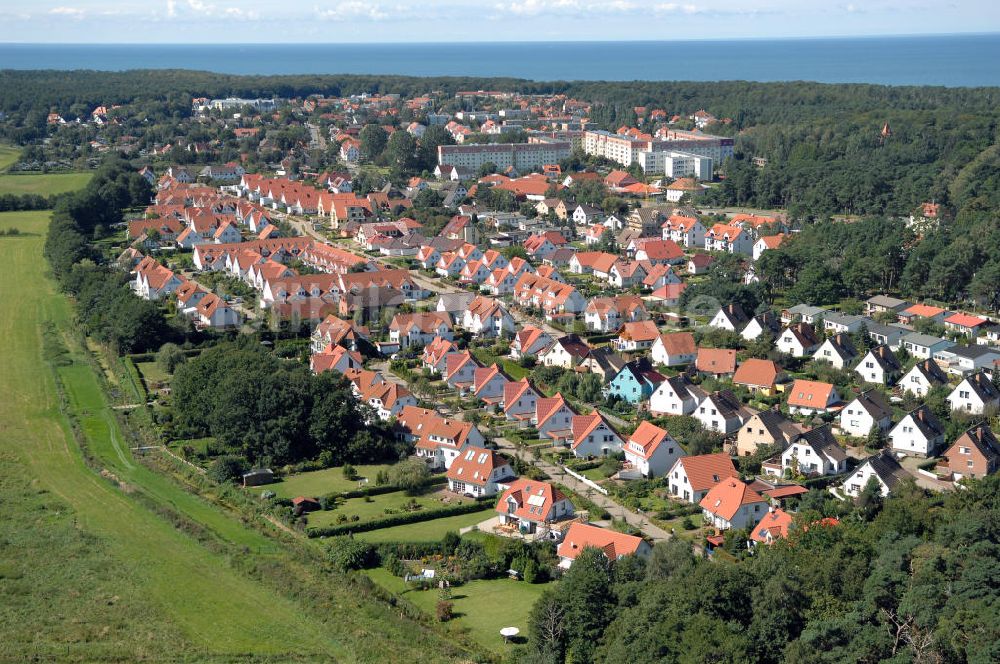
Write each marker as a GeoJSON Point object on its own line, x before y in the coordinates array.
{"type": "Point", "coordinates": [518, 41]}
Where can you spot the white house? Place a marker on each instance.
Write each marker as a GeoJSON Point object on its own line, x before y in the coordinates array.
{"type": "Point", "coordinates": [919, 433]}
{"type": "Point", "coordinates": [798, 340]}
{"type": "Point", "coordinates": [479, 472]}
{"type": "Point", "coordinates": [593, 436]}
{"type": "Point", "coordinates": [816, 452]}
{"type": "Point", "coordinates": [883, 467]}
{"type": "Point", "coordinates": [723, 412]}
{"type": "Point", "coordinates": [838, 350]}
{"type": "Point", "coordinates": [924, 345]}
{"type": "Point", "coordinates": [879, 365]}
{"type": "Point", "coordinates": [691, 477]}
{"type": "Point", "coordinates": [922, 378]}
{"type": "Point", "coordinates": [730, 317]}
{"type": "Point", "coordinates": [974, 394]}
{"type": "Point", "coordinates": [651, 451]}
{"type": "Point", "coordinates": [733, 504]}
{"type": "Point", "coordinates": [867, 410]}
{"type": "Point", "coordinates": [674, 349]}
{"type": "Point", "coordinates": [677, 395]}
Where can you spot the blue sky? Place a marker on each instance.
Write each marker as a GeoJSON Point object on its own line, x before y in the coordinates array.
{"type": "Point", "coordinates": [347, 21]}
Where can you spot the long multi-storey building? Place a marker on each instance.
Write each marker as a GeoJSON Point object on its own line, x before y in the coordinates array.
{"type": "Point", "coordinates": [522, 156]}
{"type": "Point", "coordinates": [626, 150]}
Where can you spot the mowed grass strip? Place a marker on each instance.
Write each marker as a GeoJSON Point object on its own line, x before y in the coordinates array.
{"type": "Point", "coordinates": [43, 184]}
{"type": "Point", "coordinates": [218, 611]}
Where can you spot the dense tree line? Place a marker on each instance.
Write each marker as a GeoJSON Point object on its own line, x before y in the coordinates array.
{"type": "Point", "coordinates": [270, 410]}
{"type": "Point", "coordinates": [906, 579]}
{"type": "Point", "coordinates": [105, 305]}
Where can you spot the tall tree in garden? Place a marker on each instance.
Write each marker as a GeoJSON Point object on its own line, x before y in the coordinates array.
{"type": "Point", "coordinates": [373, 141]}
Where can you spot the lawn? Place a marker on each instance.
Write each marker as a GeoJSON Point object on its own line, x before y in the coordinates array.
{"type": "Point", "coordinates": [374, 507]}
{"type": "Point", "coordinates": [152, 373]}
{"type": "Point", "coordinates": [482, 607]}
{"type": "Point", "coordinates": [425, 531]}
{"type": "Point", "coordinates": [8, 155]}
{"type": "Point", "coordinates": [319, 482]}
{"type": "Point", "coordinates": [44, 184]}
{"type": "Point", "coordinates": [91, 570]}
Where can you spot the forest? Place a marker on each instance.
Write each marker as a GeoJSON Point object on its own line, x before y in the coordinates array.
{"type": "Point", "coordinates": [905, 579]}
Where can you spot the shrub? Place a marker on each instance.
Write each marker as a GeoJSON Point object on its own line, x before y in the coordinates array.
{"type": "Point", "coordinates": [347, 553]}
{"type": "Point", "coordinates": [350, 473]}
{"type": "Point", "coordinates": [445, 610]}
{"type": "Point", "coordinates": [688, 524]}
{"type": "Point", "coordinates": [397, 519]}
{"type": "Point", "coordinates": [228, 468]}
{"type": "Point", "coordinates": [530, 572]}
{"type": "Point", "coordinates": [169, 356]}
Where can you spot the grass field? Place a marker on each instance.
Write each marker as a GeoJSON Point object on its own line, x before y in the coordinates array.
{"type": "Point", "coordinates": [8, 155]}
{"type": "Point", "coordinates": [482, 607]}
{"type": "Point", "coordinates": [375, 509]}
{"type": "Point", "coordinates": [44, 184]}
{"type": "Point", "coordinates": [162, 593]}
{"type": "Point", "coordinates": [319, 482]}
{"type": "Point", "coordinates": [152, 373]}
{"type": "Point", "coordinates": [425, 531]}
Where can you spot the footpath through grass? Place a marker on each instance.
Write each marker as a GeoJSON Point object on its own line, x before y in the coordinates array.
{"type": "Point", "coordinates": [165, 580]}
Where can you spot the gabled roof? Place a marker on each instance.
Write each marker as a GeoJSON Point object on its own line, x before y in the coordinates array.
{"type": "Point", "coordinates": [924, 419]}
{"type": "Point", "coordinates": [649, 437]}
{"type": "Point", "coordinates": [716, 360]}
{"type": "Point", "coordinates": [583, 535]}
{"type": "Point", "coordinates": [810, 394]}
{"type": "Point", "coordinates": [727, 497]}
{"type": "Point", "coordinates": [706, 470]}
{"type": "Point", "coordinates": [514, 390]}
{"type": "Point", "coordinates": [886, 466]}
{"type": "Point", "coordinates": [532, 499]}
{"type": "Point", "coordinates": [643, 330]}
{"type": "Point", "coordinates": [678, 343]}
{"type": "Point", "coordinates": [823, 443]}
{"type": "Point", "coordinates": [772, 527]}
{"type": "Point", "coordinates": [584, 425]}
{"type": "Point", "coordinates": [874, 404]}
{"type": "Point", "coordinates": [886, 359]}
{"type": "Point", "coordinates": [980, 437]}
{"type": "Point", "coordinates": [547, 407]}
{"type": "Point", "coordinates": [757, 372]}
{"type": "Point", "coordinates": [476, 466]}
{"type": "Point", "coordinates": [981, 384]}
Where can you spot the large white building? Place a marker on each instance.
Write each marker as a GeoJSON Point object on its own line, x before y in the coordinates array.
{"type": "Point", "coordinates": [627, 150]}
{"type": "Point", "coordinates": [522, 156]}
{"type": "Point", "coordinates": [676, 164]}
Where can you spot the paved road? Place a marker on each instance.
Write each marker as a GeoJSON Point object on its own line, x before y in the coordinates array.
{"type": "Point", "coordinates": [617, 511]}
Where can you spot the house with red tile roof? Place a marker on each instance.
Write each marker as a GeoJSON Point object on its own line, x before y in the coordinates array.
{"type": "Point", "coordinates": [479, 472]}
{"type": "Point", "coordinates": [554, 418]}
{"type": "Point", "coordinates": [767, 243]}
{"type": "Point", "coordinates": [686, 231]}
{"type": "Point", "coordinates": [636, 336]}
{"type": "Point", "coordinates": [419, 329]}
{"type": "Point", "coordinates": [691, 477]}
{"type": "Point", "coordinates": [489, 384]}
{"type": "Point", "coordinates": [733, 504]}
{"type": "Point", "coordinates": [808, 397]}
{"type": "Point", "coordinates": [529, 340]}
{"type": "Point", "coordinates": [658, 251]}
{"type": "Point", "coordinates": [773, 527]}
{"type": "Point", "coordinates": [758, 376]}
{"type": "Point", "coordinates": [730, 239]}
{"type": "Point", "coordinates": [335, 358]}
{"type": "Point", "coordinates": [460, 371]}
{"type": "Point", "coordinates": [214, 312]}
{"type": "Point", "coordinates": [436, 354]}
{"type": "Point", "coordinates": [674, 349]}
{"type": "Point", "coordinates": [651, 451]}
{"type": "Point", "coordinates": [520, 399]}
{"type": "Point", "coordinates": [607, 314]}
{"type": "Point", "coordinates": [439, 440]}
{"type": "Point", "coordinates": [339, 332]}
{"type": "Point", "coordinates": [911, 313]}
{"type": "Point", "coordinates": [593, 436]}
{"type": "Point", "coordinates": [612, 544]}
{"type": "Point", "coordinates": [533, 507]}
{"type": "Point", "coordinates": [716, 361]}
{"type": "Point", "coordinates": [966, 324]}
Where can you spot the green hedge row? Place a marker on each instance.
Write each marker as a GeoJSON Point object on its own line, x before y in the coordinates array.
{"type": "Point", "coordinates": [402, 519]}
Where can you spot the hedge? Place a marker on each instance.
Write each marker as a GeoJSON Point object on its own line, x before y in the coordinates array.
{"type": "Point", "coordinates": [402, 519]}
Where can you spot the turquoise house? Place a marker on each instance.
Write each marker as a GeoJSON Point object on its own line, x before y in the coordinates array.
{"type": "Point", "coordinates": [636, 381]}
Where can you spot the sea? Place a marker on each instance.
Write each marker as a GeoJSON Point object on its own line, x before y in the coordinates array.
{"type": "Point", "coordinates": [944, 60]}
